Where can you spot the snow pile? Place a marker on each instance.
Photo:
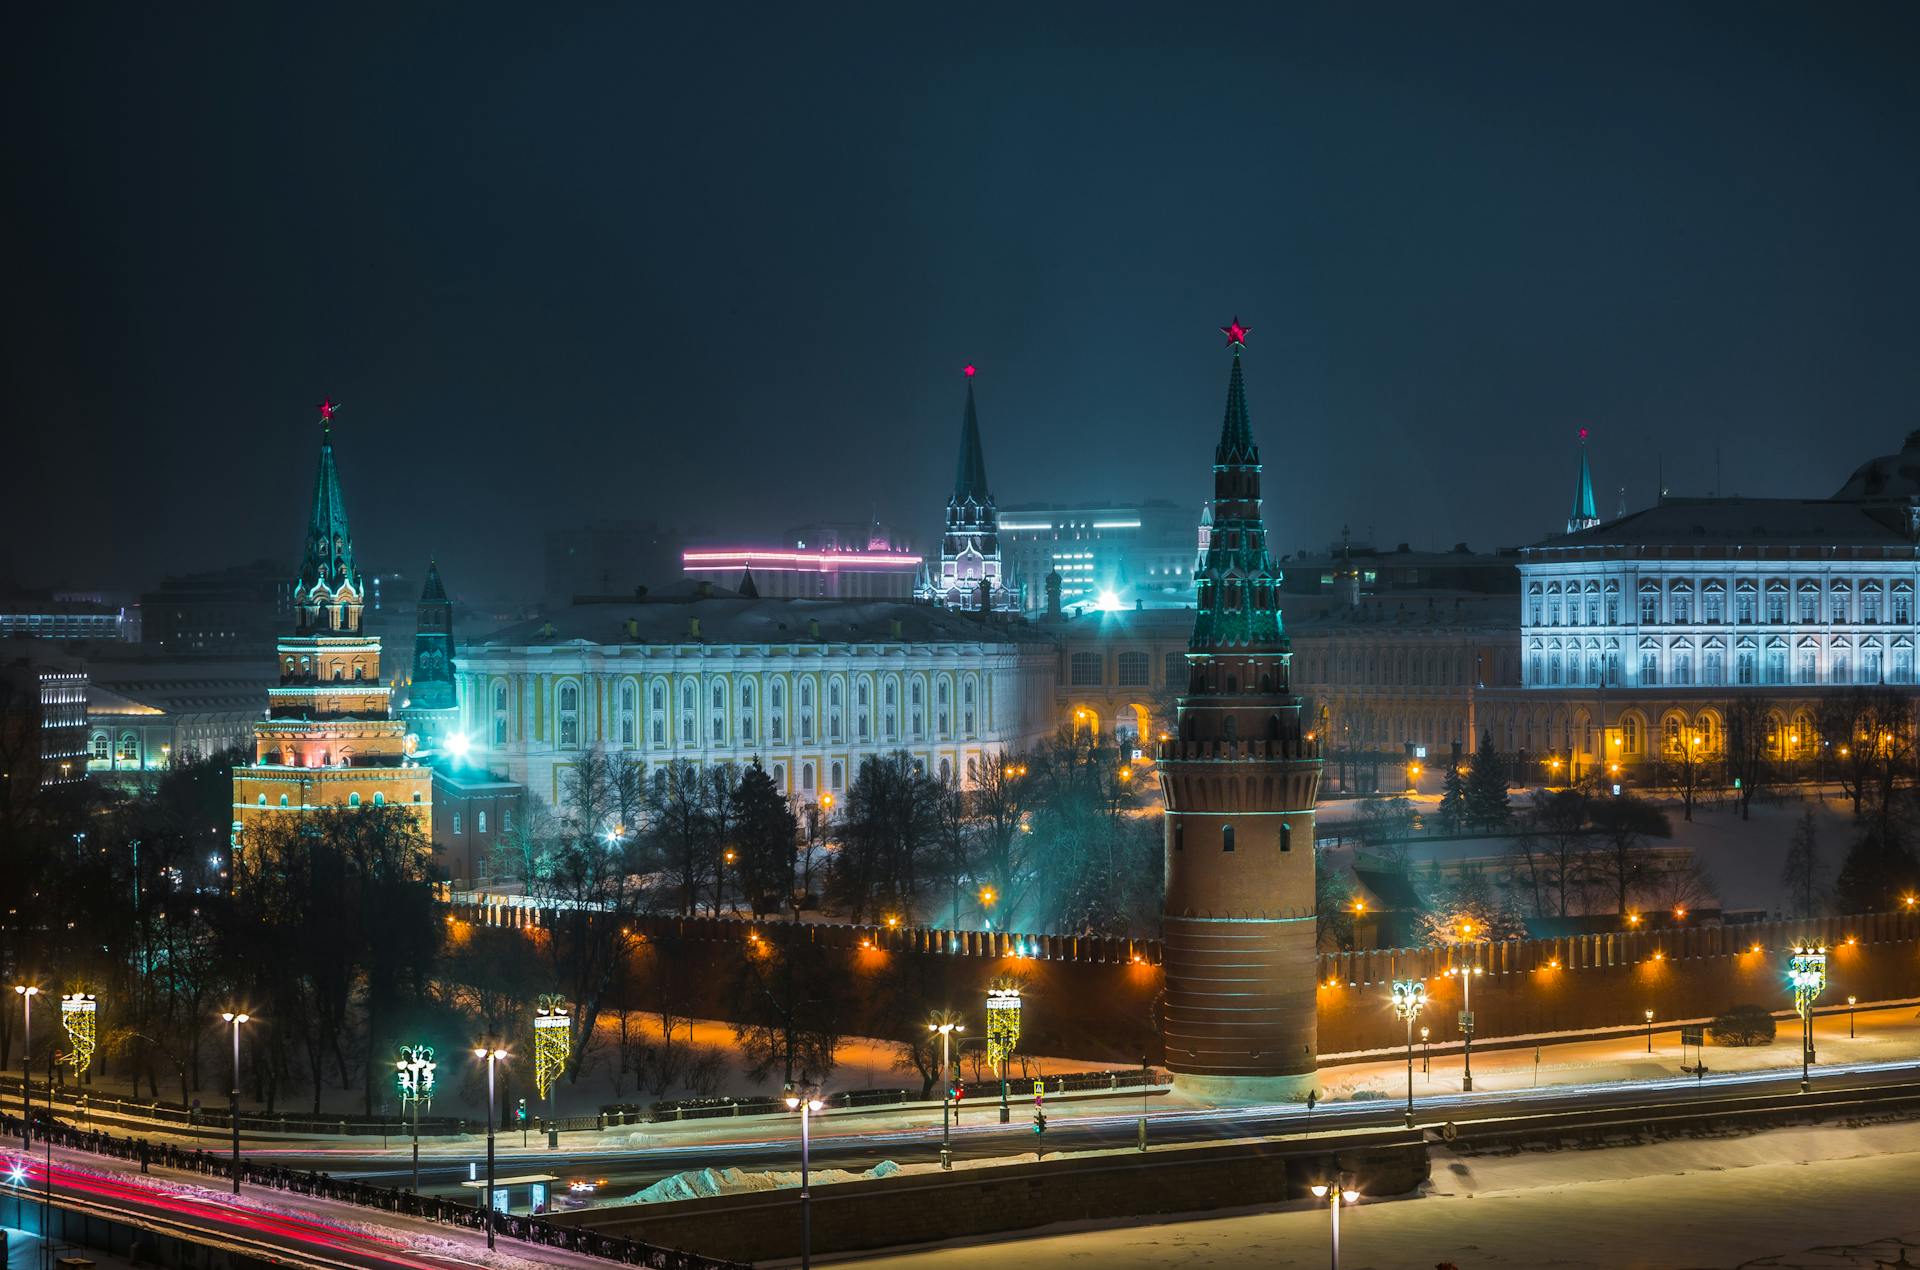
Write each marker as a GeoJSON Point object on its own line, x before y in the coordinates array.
{"type": "Point", "coordinates": [708, 1183]}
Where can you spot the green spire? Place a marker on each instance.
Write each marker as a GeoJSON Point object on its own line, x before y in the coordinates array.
{"type": "Point", "coordinates": [329, 555]}
{"type": "Point", "coordinates": [435, 590]}
{"type": "Point", "coordinates": [970, 479]}
{"type": "Point", "coordinates": [1236, 433]}
{"type": "Point", "coordinates": [1584, 515]}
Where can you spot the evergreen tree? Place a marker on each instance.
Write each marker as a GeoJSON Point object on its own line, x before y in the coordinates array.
{"type": "Point", "coordinates": [765, 832]}
{"type": "Point", "coordinates": [1879, 869]}
{"type": "Point", "coordinates": [1453, 802]}
{"type": "Point", "coordinates": [1802, 871]}
{"type": "Point", "coordinates": [1486, 789]}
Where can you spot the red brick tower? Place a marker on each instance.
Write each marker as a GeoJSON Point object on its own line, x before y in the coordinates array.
{"type": "Point", "coordinates": [1240, 778]}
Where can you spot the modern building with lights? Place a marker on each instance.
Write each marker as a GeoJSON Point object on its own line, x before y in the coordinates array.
{"type": "Point", "coordinates": [1108, 556]}
{"type": "Point", "coordinates": [873, 573]}
{"type": "Point", "coordinates": [810, 688]}
{"type": "Point", "coordinates": [1240, 776]}
{"type": "Point", "coordinates": [330, 738]}
{"type": "Point", "coordinates": [1637, 632]}
{"type": "Point", "coordinates": [970, 577]}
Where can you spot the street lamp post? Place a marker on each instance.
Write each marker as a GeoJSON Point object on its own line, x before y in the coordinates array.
{"type": "Point", "coordinates": [1807, 974]}
{"type": "Point", "coordinates": [492, 1057]}
{"type": "Point", "coordinates": [1466, 974]}
{"type": "Point", "coordinates": [1850, 1002]}
{"type": "Point", "coordinates": [806, 1104]}
{"type": "Point", "coordinates": [946, 1028]}
{"type": "Point", "coordinates": [27, 993]}
{"type": "Point", "coordinates": [233, 1101]}
{"type": "Point", "coordinates": [415, 1067]}
{"type": "Point", "coordinates": [1649, 1014]}
{"type": "Point", "coordinates": [1409, 998]}
{"type": "Point", "coordinates": [1335, 1194]}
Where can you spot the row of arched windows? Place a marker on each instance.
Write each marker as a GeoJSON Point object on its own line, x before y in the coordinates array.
{"type": "Point", "coordinates": [888, 708]}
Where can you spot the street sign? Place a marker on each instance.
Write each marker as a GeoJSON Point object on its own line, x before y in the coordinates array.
{"type": "Point", "coordinates": [1466, 1020]}
{"type": "Point", "coordinates": [1693, 1035]}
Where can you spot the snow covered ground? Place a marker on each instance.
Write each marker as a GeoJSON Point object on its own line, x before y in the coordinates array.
{"type": "Point", "coordinates": [1804, 1198]}
{"type": "Point", "coordinates": [1742, 858]}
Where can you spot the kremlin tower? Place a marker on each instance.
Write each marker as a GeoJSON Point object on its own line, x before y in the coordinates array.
{"type": "Point", "coordinates": [329, 738]}
{"type": "Point", "coordinates": [1240, 779]}
{"type": "Point", "coordinates": [970, 576]}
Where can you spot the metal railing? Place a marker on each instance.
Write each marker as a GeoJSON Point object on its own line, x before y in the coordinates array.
{"type": "Point", "coordinates": [531, 1230]}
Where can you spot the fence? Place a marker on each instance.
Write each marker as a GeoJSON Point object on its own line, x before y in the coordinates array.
{"type": "Point", "coordinates": [522, 912]}
{"type": "Point", "coordinates": [1615, 948]}
{"type": "Point", "coordinates": [531, 1230]}
{"type": "Point", "coordinates": [81, 1102]}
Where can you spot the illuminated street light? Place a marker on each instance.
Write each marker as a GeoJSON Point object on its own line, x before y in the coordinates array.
{"type": "Point", "coordinates": [27, 993]}
{"type": "Point", "coordinates": [1649, 1014]}
{"type": "Point", "coordinates": [806, 1104]}
{"type": "Point", "coordinates": [492, 1057]}
{"type": "Point", "coordinates": [1807, 975]}
{"type": "Point", "coordinates": [415, 1068]}
{"type": "Point", "coordinates": [78, 1014]}
{"type": "Point", "coordinates": [1336, 1194]}
{"type": "Point", "coordinates": [236, 1019]}
{"type": "Point", "coordinates": [946, 1026]}
{"type": "Point", "coordinates": [1409, 998]}
{"type": "Point", "coordinates": [1466, 975]}
{"type": "Point", "coordinates": [1003, 1035]}
{"type": "Point", "coordinates": [1851, 1000]}
{"type": "Point", "coordinates": [458, 745]}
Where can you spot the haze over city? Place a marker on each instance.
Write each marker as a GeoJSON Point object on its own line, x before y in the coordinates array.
{"type": "Point", "coordinates": [718, 269]}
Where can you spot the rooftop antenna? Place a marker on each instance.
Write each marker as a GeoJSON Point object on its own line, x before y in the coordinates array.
{"type": "Point", "coordinates": [1716, 469]}
{"type": "Point", "coordinates": [1621, 510]}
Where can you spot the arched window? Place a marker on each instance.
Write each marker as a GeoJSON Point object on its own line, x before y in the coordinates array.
{"type": "Point", "coordinates": [1226, 837]}
{"type": "Point", "coordinates": [839, 775]}
{"type": "Point", "coordinates": [1286, 837]}
{"type": "Point", "coordinates": [569, 715]}
{"type": "Point", "coordinates": [353, 800]}
{"type": "Point", "coordinates": [806, 776]}
{"type": "Point", "coordinates": [283, 800]}
{"type": "Point", "coordinates": [99, 747]}
{"type": "Point", "coordinates": [499, 714]}
{"type": "Point", "coordinates": [263, 800]}
{"type": "Point", "coordinates": [629, 721]}
{"type": "Point", "coordinates": [129, 748]}
{"type": "Point", "coordinates": [479, 822]}
{"type": "Point", "coordinates": [379, 799]}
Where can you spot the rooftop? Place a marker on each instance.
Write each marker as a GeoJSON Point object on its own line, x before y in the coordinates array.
{"type": "Point", "coordinates": [666, 617]}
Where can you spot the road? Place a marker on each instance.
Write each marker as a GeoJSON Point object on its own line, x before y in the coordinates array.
{"type": "Point", "coordinates": [87, 1184]}
{"type": "Point", "coordinates": [980, 1136]}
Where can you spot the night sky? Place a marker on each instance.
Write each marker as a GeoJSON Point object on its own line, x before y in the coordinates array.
{"type": "Point", "coordinates": [721, 266]}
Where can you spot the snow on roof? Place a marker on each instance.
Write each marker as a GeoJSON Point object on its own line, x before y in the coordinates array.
{"type": "Point", "coordinates": [726, 618]}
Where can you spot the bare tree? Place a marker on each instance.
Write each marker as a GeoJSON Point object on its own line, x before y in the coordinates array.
{"type": "Point", "coordinates": [1624, 825]}
{"type": "Point", "coordinates": [1749, 740]}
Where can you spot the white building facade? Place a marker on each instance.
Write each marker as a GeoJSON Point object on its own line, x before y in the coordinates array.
{"type": "Point", "coordinates": [1636, 633]}
{"type": "Point", "coordinates": [809, 688]}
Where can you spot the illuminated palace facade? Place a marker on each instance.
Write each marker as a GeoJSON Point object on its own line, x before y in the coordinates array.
{"type": "Point", "coordinates": [1635, 632]}
{"type": "Point", "coordinates": [330, 738]}
{"type": "Point", "coordinates": [1240, 776]}
{"type": "Point", "coordinates": [810, 688]}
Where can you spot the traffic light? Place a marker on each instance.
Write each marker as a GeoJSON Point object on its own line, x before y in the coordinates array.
{"type": "Point", "coordinates": [959, 1090]}
{"type": "Point", "coordinates": [521, 1115]}
{"type": "Point", "coordinates": [1039, 1107]}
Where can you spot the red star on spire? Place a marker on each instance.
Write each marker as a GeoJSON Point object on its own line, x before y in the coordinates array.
{"type": "Point", "coordinates": [326, 409]}
{"type": "Point", "coordinates": [1236, 334]}
{"type": "Point", "coordinates": [1583, 434]}
{"type": "Point", "coordinates": [967, 370]}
